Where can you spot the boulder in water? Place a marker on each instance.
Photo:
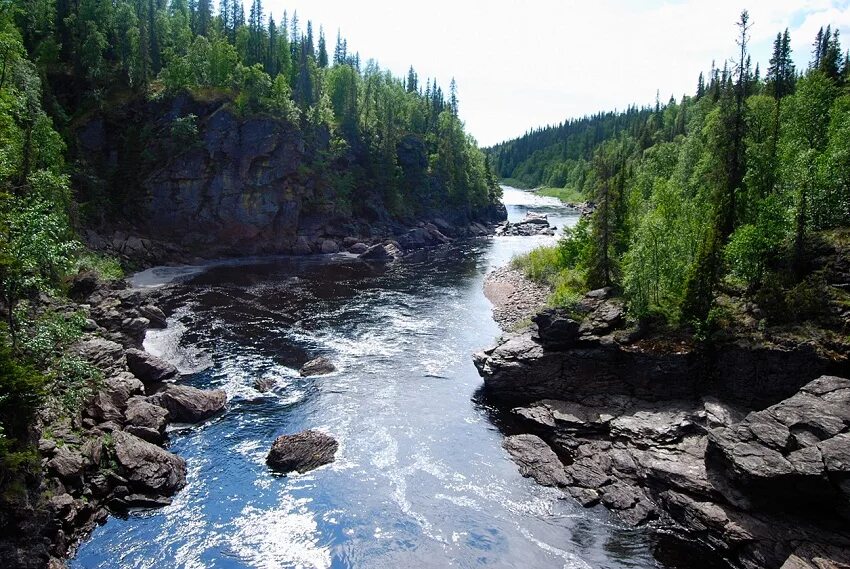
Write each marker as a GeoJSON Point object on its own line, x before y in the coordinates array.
{"type": "Point", "coordinates": [318, 366]}
{"type": "Point", "coordinates": [148, 367]}
{"type": "Point", "coordinates": [302, 452]}
{"type": "Point", "coordinates": [148, 468]}
{"type": "Point", "coordinates": [187, 404]}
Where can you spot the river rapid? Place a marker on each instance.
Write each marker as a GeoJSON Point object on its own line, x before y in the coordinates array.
{"type": "Point", "coordinates": [420, 479]}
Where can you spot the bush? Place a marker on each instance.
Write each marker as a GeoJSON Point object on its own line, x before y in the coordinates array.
{"type": "Point", "coordinates": [107, 268]}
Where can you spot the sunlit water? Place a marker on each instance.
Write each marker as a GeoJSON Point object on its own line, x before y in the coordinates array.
{"type": "Point", "coordinates": [420, 479]}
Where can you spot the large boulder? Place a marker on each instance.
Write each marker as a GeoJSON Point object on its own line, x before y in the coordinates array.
{"type": "Point", "coordinates": [155, 316]}
{"type": "Point", "coordinates": [536, 460]}
{"type": "Point", "coordinates": [302, 452]}
{"type": "Point", "coordinates": [104, 354]}
{"type": "Point", "coordinates": [145, 420]}
{"type": "Point", "coordinates": [317, 366]}
{"type": "Point", "coordinates": [147, 467]}
{"type": "Point", "coordinates": [68, 464]}
{"type": "Point", "coordinates": [381, 252]}
{"type": "Point", "coordinates": [110, 400]}
{"type": "Point", "coordinates": [186, 404]}
{"type": "Point", "coordinates": [148, 367]}
{"type": "Point", "coordinates": [556, 329]}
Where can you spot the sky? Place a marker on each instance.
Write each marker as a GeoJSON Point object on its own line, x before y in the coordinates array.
{"type": "Point", "coordinates": [521, 64]}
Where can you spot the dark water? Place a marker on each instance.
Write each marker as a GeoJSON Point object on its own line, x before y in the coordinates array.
{"type": "Point", "coordinates": [420, 479]}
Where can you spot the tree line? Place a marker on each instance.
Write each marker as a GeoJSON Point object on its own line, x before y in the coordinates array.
{"type": "Point", "coordinates": [727, 187]}
{"type": "Point", "coordinates": [403, 136]}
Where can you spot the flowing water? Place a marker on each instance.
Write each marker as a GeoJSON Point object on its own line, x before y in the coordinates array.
{"type": "Point", "coordinates": [420, 479]}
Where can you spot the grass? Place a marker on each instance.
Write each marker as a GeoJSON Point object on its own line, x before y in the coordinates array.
{"type": "Point", "coordinates": [545, 265]}
{"type": "Point", "coordinates": [107, 268]}
{"type": "Point", "coordinates": [566, 195]}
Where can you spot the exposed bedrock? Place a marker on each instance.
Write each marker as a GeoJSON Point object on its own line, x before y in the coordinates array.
{"type": "Point", "coordinates": [745, 448]}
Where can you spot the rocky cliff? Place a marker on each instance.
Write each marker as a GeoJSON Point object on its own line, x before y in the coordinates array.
{"type": "Point", "coordinates": [739, 445]}
{"type": "Point", "coordinates": [201, 176]}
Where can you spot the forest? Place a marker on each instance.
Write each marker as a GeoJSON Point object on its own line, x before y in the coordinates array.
{"type": "Point", "coordinates": [728, 189]}
{"type": "Point", "coordinates": [62, 61]}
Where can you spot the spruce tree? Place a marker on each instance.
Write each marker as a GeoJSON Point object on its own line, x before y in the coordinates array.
{"type": "Point", "coordinates": [322, 57]}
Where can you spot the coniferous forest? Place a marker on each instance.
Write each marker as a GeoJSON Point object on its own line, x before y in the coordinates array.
{"type": "Point", "coordinates": [728, 186]}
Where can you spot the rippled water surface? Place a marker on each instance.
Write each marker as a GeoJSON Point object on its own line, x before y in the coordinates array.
{"type": "Point", "coordinates": [420, 480]}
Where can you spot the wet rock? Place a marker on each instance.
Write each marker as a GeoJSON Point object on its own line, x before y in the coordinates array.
{"type": "Point", "coordinates": [146, 501]}
{"type": "Point", "coordinates": [584, 496]}
{"type": "Point", "coordinates": [186, 404]}
{"type": "Point", "coordinates": [155, 316]}
{"type": "Point", "coordinates": [147, 467]}
{"type": "Point", "coordinates": [381, 252]}
{"type": "Point", "coordinates": [302, 452]}
{"type": "Point", "coordinates": [536, 459]}
{"type": "Point", "coordinates": [358, 248]}
{"type": "Point", "coordinates": [149, 368]}
{"type": "Point", "coordinates": [317, 366]}
{"type": "Point", "coordinates": [329, 246]}
{"type": "Point", "coordinates": [264, 384]}
{"type": "Point", "coordinates": [532, 224]}
{"type": "Point", "coordinates": [135, 329]}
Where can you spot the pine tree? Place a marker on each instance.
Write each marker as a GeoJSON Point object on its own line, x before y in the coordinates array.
{"type": "Point", "coordinates": [817, 50]}
{"type": "Point", "coordinates": [412, 81]}
{"type": "Point", "coordinates": [204, 17]}
{"type": "Point", "coordinates": [339, 54]}
{"type": "Point", "coordinates": [225, 14]}
{"type": "Point", "coordinates": [271, 63]}
{"type": "Point", "coordinates": [453, 102]}
{"type": "Point", "coordinates": [700, 86]}
{"type": "Point", "coordinates": [322, 57]}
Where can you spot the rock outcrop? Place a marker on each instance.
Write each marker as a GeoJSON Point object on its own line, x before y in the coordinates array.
{"type": "Point", "coordinates": [302, 452]}
{"type": "Point", "coordinates": [105, 456]}
{"type": "Point", "coordinates": [237, 185]}
{"type": "Point", "coordinates": [187, 404]}
{"type": "Point", "coordinates": [755, 466]}
{"type": "Point", "coordinates": [317, 366]}
{"type": "Point", "coordinates": [532, 224]}
{"type": "Point", "coordinates": [148, 468]}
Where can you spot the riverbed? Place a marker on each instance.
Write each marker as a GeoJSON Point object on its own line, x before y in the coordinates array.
{"type": "Point", "coordinates": [420, 479]}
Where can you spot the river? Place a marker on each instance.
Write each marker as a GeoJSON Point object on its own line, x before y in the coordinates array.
{"type": "Point", "coordinates": [420, 479]}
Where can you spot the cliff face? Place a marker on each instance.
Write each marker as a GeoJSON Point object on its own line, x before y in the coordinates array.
{"type": "Point", "coordinates": [198, 175]}
{"type": "Point", "coordinates": [741, 445]}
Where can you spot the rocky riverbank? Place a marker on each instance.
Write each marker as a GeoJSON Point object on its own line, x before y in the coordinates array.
{"type": "Point", "coordinates": [515, 298]}
{"type": "Point", "coordinates": [111, 454]}
{"type": "Point", "coordinates": [741, 447]}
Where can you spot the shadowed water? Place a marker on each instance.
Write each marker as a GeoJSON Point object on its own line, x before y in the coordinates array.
{"type": "Point", "coordinates": [420, 480]}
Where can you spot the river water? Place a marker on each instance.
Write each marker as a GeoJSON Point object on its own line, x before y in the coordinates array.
{"type": "Point", "coordinates": [420, 479]}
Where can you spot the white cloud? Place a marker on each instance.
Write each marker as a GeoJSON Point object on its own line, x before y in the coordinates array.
{"type": "Point", "coordinates": [522, 64]}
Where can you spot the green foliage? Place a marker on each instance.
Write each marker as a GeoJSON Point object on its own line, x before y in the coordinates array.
{"type": "Point", "coordinates": [724, 187]}
{"type": "Point", "coordinates": [107, 268]}
{"type": "Point", "coordinates": [44, 343]}
{"type": "Point", "coordinates": [562, 267]}
{"type": "Point", "coordinates": [754, 247]}
{"type": "Point", "coordinates": [566, 195]}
